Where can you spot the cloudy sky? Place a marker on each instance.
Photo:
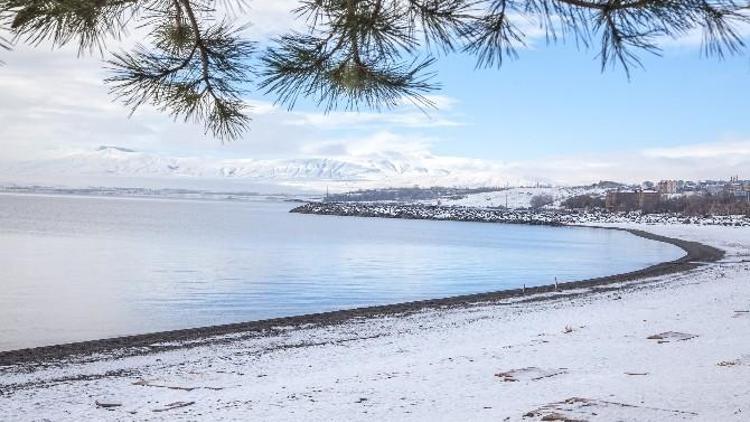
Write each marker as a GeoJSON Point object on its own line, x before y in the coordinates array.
{"type": "Point", "coordinates": [551, 114]}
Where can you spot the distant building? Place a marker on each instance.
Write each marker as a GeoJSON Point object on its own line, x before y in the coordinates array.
{"type": "Point", "coordinates": [738, 188]}
{"type": "Point", "coordinates": [646, 200]}
{"type": "Point", "coordinates": [689, 186]}
{"type": "Point", "coordinates": [713, 187]}
{"type": "Point", "coordinates": [667, 187]}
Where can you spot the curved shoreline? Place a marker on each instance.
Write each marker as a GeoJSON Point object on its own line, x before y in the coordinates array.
{"type": "Point", "coordinates": [141, 344]}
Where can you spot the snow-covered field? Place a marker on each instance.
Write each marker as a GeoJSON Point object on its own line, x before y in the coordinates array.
{"type": "Point", "coordinates": [520, 197]}
{"type": "Point", "coordinates": [575, 356]}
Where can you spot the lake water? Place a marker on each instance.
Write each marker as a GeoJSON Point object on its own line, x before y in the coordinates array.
{"type": "Point", "coordinates": [76, 268]}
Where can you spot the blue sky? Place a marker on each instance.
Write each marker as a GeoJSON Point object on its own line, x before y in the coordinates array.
{"type": "Point", "coordinates": [551, 112]}
{"type": "Point", "coordinates": [554, 99]}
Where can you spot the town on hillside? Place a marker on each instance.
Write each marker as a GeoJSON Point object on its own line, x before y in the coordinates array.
{"type": "Point", "coordinates": [704, 197]}
{"type": "Point", "coordinates": [708, 196]}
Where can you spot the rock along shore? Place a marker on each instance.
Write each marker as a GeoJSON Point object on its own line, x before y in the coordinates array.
{"type": "Point", "coordinates": [428, 212]}
{"type": "Point", "coordinates": [508, 216]}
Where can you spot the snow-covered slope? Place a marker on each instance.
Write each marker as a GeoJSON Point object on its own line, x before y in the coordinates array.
{"type": "Point", "coordinates": [363, 170]}
{"type": "Point", "coordinates": [521, 197]}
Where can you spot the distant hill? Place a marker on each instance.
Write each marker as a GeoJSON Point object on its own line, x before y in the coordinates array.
{"type": "Point", "coordinates": [357, 172]}
{"type": "Point", "coordinates": [520, 197]}
{"type": "Point", "coordinates": [487, 197]}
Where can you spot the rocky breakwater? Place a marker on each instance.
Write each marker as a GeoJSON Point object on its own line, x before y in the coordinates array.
{"type": "Point", "coordinates": [550, 217]}
{"type": "Point", "coordinates": [429, 212]}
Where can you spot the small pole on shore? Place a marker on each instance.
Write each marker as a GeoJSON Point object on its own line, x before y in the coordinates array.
{"type": "Point", "coordinates": [555, 283]}
{"type": "Point", "coordinates": [524, 288]}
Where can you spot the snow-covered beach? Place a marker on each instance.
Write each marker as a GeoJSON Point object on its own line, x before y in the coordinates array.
{"type": "Point", "coordinates": [668, 347]}
{"type": "Point", "coordinates": [374, 210]}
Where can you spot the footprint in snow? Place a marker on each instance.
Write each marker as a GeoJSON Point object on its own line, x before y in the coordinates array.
{"type": "Point", "coordinates": [577, 409]}
{"type": "Point", "coordinates": [531, 373]}
{"type": "Point", "coordinates": [669, 336]}
{"type": "Point", "coordinates": [743, 360]}
{"type": "Point", "coordinates": [174, 405]}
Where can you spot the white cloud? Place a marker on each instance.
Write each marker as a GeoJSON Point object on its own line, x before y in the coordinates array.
{"type": "Point", "coordinates": [695, 38]}
{"type": "Point", "coordinates": [380, 144]}
{"type": "Point", "coordinates": [406, 115]}
{"type": "Point", "coordinates": [272, 17]}
{"type": "Point", "coordinates": [725, 150]}
{"type": "Point", "coordinates": [348, 119]}
{"type": "Point", "coordinates": [260, 107]}
{"type": "Point", "coordinates": [718, 160]}
{"type": "Point", "coordinates": [439, 102]}
{"type": "Point", "coordinates": [54, 101]}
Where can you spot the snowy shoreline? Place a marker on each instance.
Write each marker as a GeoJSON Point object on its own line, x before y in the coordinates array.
{"type": "Point", "coordinates": [695, 254]}
{"type": "Point", "coordinates": [667, 347]}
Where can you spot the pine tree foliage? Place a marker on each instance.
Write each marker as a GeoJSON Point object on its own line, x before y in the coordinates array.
{"type": "Point", "coordinates": [194, 69]}
{"type": "Point", "coordinates": [190, 65]}
{"type": "Point", "coordinates": [196, 64]}
{"type": "Point", "coordinates": [362, 52]}
{"type": "Point", "coordinates": [5, 44]}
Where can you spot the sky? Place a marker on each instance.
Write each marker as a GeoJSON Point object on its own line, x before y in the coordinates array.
{"type": "Point", "coordinates": [550, 114]}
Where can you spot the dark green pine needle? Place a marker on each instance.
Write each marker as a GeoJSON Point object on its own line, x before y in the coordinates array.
{"type": "Point", "coordinates": [353, 54]}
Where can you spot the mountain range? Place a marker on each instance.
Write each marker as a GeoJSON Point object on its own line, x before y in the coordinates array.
{"type": "Point", "coordinates": [365, 171]}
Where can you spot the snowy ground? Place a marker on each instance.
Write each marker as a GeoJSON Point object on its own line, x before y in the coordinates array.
{"type": "Point", "coordinates": [519, 197]}
{"type": "Point", "coordinates": [581, 357]}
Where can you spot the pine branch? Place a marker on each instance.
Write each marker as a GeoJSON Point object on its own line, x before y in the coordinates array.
{"type": "Point", "coordinates": [88, 22]}
{"type": "Point", "coordinates": [625, 28]}
{"type": "Point", "coordinates": [354, 57]}
{"type": "Point", "coordinates": [5, 44]}
{"type": "Point", "coordinates": [442, 22]}
{"type": "Point", "coordinates": [192, 72]}
{"type": "Point", "coordinates": [355, 54]}
{"type": "Point", "coordinates": [494, 36]}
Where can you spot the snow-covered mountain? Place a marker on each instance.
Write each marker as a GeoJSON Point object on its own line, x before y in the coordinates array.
{"type": "Point", "coordinates": [361, 171]}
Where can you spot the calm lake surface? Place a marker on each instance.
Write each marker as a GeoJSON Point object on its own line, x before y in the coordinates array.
{"type": "Point", "coordinates": [77, 268]}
